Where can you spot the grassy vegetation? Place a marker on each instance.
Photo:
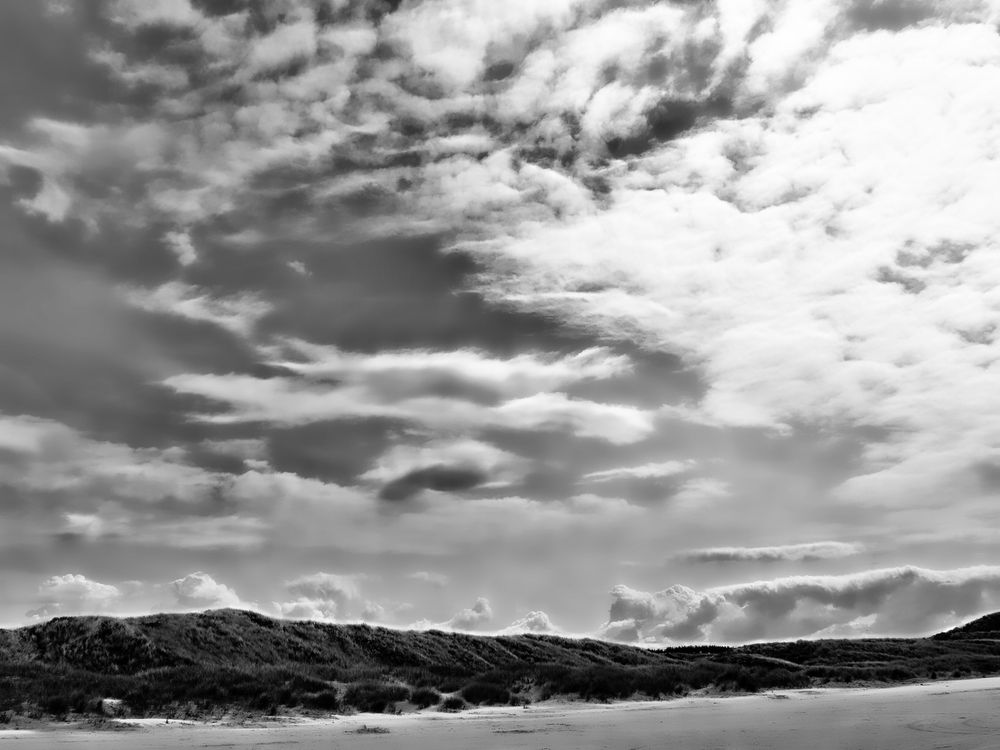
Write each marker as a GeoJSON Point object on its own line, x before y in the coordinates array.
{"type": "Point", "coordinates": [425, 697]}
{"type": "Point", "coordinates": [199, 665]}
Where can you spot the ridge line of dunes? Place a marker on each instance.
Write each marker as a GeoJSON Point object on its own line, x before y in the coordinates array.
{"type": "Point", "coordinates": [225, 660]}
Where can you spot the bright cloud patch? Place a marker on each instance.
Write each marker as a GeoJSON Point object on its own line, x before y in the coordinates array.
{"type": "Point", "coordinates": [321, 596]}
{"type": "Point", "coordinates": [533, 622]}
{"type": "Point", "coordinates": [201, 591]}
{"type": "Point", "coordinates": [894, 601]}
{"type": "Point", "coordinates": [827, 260]}
{"type": "Point", "coordinates": [476, 617]}
{"type": "Point", "coordinates": [786, 553]}
{"type": "Point", "coordinates": [74, 594]}
{"type": "Point", "coordinates": [646, 471]}
{"type": "Point", "coordinates": [294, 401]}
{"type": "Point", "coordinates": [42, 455]}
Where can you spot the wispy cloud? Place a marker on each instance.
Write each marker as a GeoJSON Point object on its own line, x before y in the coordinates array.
{"type": "Point", "coordinates": [782, 553]}
{"type": "Point", "coordinates": [645, 471]}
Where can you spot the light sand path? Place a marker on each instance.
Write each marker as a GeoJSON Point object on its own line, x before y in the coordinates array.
{"type": "Point", "coordinates": [959, 715]}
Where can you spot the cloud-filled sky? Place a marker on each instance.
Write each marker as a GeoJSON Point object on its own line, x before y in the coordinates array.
{"type": "Point", "coordinates": [664, 321]}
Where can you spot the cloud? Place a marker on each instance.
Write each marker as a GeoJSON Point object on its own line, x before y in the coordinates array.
{"type": "Point", "coordinates": [47, 456]}
{"type": "Point", "coordinates": [697, 492]}
{"type": "Point", "coordinates": [533, 622]}
{"type": "Point", "coordinates": [321, 596]}
{"type": "Point", "coordinates": [180, 243]}
{"type": "Point", "coordinates": [319, 610]}
{"type": "Point", "coordinates": [201, 591]}
{"type": "Point", "coordinates": [169, 529]}
{"type": "Point", "coordinates": [373, 612]}
{"type": "Point", "coordinates": [783, 553]}
{"type": "Point", "coordinates": [645, 471]}
{"type": "Point", "coordinates": [288, 401]}
{"type": "Point", "coordinates": [892, 601]}
{"type": "Point", "coordinates": [137, 14]}
{"type": "Point", "coordinates": [444, 466]}
{"type": "Point", "coordinates": [476, 617]}
{"type": "Point", "coordinates": [419, 369]}
{"type": "Point", "coordinates": [787, 255]}
{"type": "Point", "coordinates": [439, 478]}
{"type": "Point", "coordinates": [332, 586]}
{"type": "Point", "coordinates": [74, 594]}
{"type": "Point", "coordinates": [237, 313]}
{"type": "Point", "coordinates": [438, 580]}
{"type": "Point", "coordinates": [286, 44]}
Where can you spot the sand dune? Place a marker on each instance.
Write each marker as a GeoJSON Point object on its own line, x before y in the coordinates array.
{"type": "Point", "coordinates": [960, 715]}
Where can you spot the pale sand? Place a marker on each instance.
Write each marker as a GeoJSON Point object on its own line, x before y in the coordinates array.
{"type": "Point", "coordinates": [961, 715]}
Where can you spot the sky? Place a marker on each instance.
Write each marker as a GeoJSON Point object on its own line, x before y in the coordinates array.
{"type": "Point", "coordinates": [662, 322]}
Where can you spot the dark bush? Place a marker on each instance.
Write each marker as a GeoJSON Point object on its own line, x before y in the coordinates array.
{"type": "Point", "coordinates": [486, 693]}
{"type": "Point", "coordinates": [453, 703]}
{"type": "Point", "coordinates": [56, 705]}
{"type": "Point", "coordinates": [780, 678]}
{"type": "Point", "coordinates": [375, 697]}
{"type": "Point", "coordinates": [301, 683]}
{"type": "Point", "coordinates": [451, 684]}
{"type": "Point", "coordinates": [425, 696]}
{"type": "Point", "coordinates": [324, 700]}
{"type": "Point", "coordinates": [739, 678]}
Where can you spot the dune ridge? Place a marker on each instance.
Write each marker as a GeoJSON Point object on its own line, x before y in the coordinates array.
{"type": "Point", "coordinates": [192, 665]}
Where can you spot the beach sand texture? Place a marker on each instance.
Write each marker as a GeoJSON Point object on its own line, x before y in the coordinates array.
{"type": "Point", "coordinates": [959, 715]}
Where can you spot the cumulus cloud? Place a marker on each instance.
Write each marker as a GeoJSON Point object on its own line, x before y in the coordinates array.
{"type": "Point", "coordinates": [322, 596]}
{"type": "Point", "coordinates": [476, 617]}
{"type": "Point", "coordinates": [533, 622]}
{"type": "Point", "coordinates": [782, 553]}
{"type": "Point", "coordinates": [201, 591]}
{"type": "Point", "coordinates": [74, 594]}
{"type": "Point", "coordinates": [319, 610]}
{"type": "Point", "coordinates": [330, 586]}
{"type": "Point", "coordinates": [373, 612]}
{"type": "Point", "coordinates": [891, 601]}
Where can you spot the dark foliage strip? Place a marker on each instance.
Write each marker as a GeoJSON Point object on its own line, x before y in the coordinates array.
{"type": "Point", "coordinates": [194, 665]}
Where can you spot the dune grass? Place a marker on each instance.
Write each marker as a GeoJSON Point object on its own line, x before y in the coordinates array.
{"type": "Point", "coordinates": [190, 666]}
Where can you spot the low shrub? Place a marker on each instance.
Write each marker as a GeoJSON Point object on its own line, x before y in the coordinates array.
{"type": "Point", "coordinates": [486, 693]}
{"type": "Point", "coordinates": [425, 697]}
{"type": "Point", "coordinates": [57, 705]}
{"type": "Point", "coordinates": [453, 703]}
{"type": "Point", "coordinates": [375, 697]}
{"type": "Point", "coordinates": [324, 700]}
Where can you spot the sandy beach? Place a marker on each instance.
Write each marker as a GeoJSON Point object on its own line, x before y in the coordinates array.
{"type": "Point", "coordinates": [959, 715]}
